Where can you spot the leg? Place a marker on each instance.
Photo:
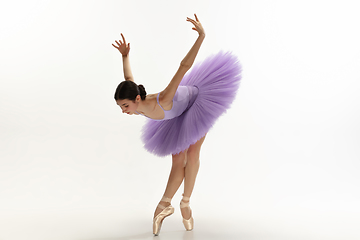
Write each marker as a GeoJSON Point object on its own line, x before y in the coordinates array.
{"type": "Point", "coordinates": [191, 170]}
{"type": "Point", "coordinates": [175, 179]}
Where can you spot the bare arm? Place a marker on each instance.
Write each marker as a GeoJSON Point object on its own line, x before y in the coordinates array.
{"type": "Point", "coordinates": [127, 70]}
{"type": "Point", "coordinates": [124, 50]}
{"type": "Point", "coordinates": [167, 95]}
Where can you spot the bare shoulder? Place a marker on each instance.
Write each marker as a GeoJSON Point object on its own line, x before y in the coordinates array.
{"type": "Point", "coordinates": [164, 101]}
{"type": "Point", "coordinates": [151, 101]}
{"type": "Point", "coordinates": [165, 98]}
{"type": "Point", "coordinates": [151, 97]}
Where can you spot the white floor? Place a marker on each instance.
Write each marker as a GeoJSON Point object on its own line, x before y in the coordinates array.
{"type": "Point", "coordinates": [85, 197]}
{"type": "Point", "coordinates": [225, 223]}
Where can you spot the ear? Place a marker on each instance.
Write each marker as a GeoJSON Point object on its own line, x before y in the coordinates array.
{"type": "Point", "coordinates": [138, 98]}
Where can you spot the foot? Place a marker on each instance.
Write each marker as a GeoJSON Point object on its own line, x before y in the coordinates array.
{"type": "Point", "coordinates": [158, 210]}
{"type": "Point", "coordinates": [188, 220]}
{"type": "Point", "coordinates": [186, 211]}
{"type": "Point", "coordinates": [163, 210]}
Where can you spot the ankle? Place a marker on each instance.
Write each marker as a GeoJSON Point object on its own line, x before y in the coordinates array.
{"type": "Point", "coordinates": [185, 202]}
{"type": "Point", "coordinates": [165, 201]}
{"type": "Point", "coordinates": [165, 204]}
{"type": "Point", "coordinates": [185, 199]}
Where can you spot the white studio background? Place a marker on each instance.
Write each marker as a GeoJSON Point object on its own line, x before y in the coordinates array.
{"type": "Point", "coordinates": [282, 163]}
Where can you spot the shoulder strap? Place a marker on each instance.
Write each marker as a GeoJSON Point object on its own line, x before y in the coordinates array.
{"type": "Point", "coordinates": [157, 99]}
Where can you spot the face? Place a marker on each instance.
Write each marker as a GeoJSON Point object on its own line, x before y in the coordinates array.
{"type": "Point", "coordinates": [128, 106]}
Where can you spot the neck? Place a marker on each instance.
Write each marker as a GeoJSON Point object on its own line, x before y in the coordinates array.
{"type": "Point", "coordinates": [141, 108]}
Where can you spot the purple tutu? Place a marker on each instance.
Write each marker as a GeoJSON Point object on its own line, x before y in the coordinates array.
{"type": "Point", "coordinates": [217, 79]}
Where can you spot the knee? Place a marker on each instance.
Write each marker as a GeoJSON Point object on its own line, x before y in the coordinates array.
{"type": "Point", "coordinates": [193, 152]}
{"type": "Point", "coordinates": [193, 156]}
{"type": "Point", "coordinates": [179, 160]}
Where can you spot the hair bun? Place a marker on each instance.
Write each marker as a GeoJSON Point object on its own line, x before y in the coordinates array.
{"type": "Point", "coordinates": [142, 91]}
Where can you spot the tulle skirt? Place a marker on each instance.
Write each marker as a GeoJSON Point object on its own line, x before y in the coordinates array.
{"type": "Point", "coordinates": [217, 79]}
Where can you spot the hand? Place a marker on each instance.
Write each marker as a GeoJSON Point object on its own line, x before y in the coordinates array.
{"type": "Point", "coordinates": [198, 27]}
{"type": "Point", "coordinates": [122, 47]}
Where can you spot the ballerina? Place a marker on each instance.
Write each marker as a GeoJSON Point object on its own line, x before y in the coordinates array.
{"type": "Point", "coordinates": [180, 116]}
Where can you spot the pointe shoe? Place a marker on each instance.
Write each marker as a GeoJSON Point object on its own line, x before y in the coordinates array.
{"type": "Point", "coordinates": [188, 223]}
{"type": "Point", "coordinates": [158, 219]}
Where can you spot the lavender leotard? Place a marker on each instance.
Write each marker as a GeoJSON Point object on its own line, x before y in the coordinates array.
{"type": "Point", "coordinates": [183, 99]}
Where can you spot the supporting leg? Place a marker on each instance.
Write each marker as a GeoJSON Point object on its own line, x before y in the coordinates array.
{"type": "Point", "coordinates": [191, 170]}
{"type": "Point", "coordinates": [176, 177]}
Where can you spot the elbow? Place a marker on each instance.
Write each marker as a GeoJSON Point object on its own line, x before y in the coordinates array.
{"type": "Point", "coordinates": [185, 65]}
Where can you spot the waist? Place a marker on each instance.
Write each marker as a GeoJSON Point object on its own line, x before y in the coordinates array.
{"type": "Point", "coordinates": [193, 93]}
{"type": "Point", "coordinates": [185, 96]}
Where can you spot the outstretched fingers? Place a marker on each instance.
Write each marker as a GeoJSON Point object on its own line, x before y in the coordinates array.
{"type": "Point", "coordinates": [123, 38]}
{"type": "Point", "coordinates": [191, 20]}
{"type": "Point", "coordinates": [122, 46]}
{"type": "Point", "coordinates": [197, 25]}
{"type": "Point", "coordinates": [118, 45]}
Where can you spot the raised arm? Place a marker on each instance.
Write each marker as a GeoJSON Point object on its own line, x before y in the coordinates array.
{"type": "Point", "coordinates": [167, 95]}
{"type": "Point", "coordinates": [124, 50]}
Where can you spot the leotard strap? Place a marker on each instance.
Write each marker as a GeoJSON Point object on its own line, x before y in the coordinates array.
{"type": "Point", "coordinates": [157, 99]}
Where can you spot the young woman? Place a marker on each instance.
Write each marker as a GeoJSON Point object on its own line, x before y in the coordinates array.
{"type": "Point", "coordinates": [180, 115]}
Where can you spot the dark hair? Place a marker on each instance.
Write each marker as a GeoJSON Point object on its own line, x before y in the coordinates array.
{"type": "Point", "coordinates": [129, 90]}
